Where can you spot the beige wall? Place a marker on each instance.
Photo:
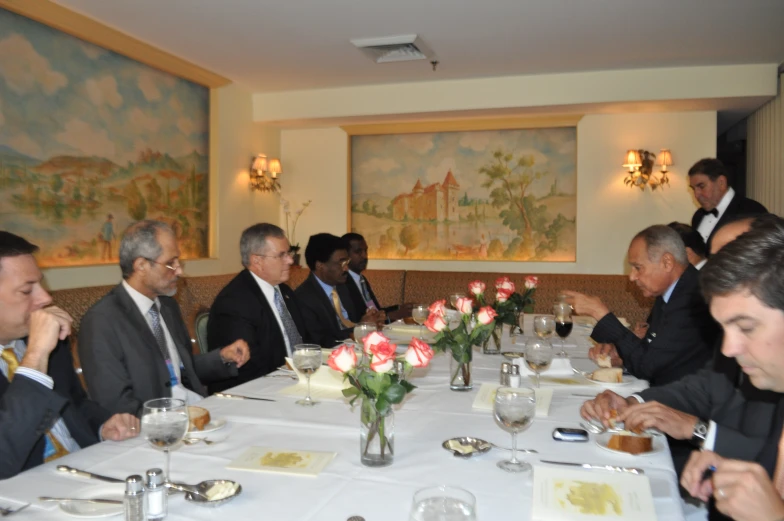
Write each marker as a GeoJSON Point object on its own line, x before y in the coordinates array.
{"type": "Point", "coordinates": [764, 154]}
{"type": "Point", "coordinates": [235, 138]}
{"type": "Point", "coordinates": [609, 213]}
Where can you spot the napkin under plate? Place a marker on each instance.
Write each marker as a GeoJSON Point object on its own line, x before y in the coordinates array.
{"type": "Point", "coordinates": [558, 367]}
{"type": "Point", "coordinates": [486, 396]}
{"type": "Point", "coordinates": [325, 384]}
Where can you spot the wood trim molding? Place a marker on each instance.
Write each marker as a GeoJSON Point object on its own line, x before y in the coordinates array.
{"type": "Point", "coordinates": [93, 31]}
{"type": "Point", "coordinates": [462, 125]}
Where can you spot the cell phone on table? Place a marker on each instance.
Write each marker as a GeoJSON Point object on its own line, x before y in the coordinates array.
{"type": "Point", "coordinates": [569, 434]}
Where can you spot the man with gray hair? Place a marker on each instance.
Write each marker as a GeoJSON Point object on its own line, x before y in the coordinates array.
{"type": "Point", "coordinates": [133, 343]}
{"type": "Point", "coordinates": [681, 332]}
{"type": "Point", "coordinates": [257, 306]}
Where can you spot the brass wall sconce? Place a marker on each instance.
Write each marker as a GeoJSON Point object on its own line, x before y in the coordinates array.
{"type": "Point", "coordinates": [640, 165]}
{"type": "Point", "coordinates": [264, 174]}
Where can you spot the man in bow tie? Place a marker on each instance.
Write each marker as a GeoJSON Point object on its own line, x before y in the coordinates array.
{"type": "Point", "coordinates": [718, 202]}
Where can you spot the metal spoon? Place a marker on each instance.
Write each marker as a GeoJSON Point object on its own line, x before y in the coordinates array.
{"type": "Point", "coordinates": [525, 451]}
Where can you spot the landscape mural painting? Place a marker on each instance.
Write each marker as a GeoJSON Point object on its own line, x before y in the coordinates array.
{"type": "Point", "coordinates": [91, 141]}
{"type": "Point", "coordinates": [497, 195]}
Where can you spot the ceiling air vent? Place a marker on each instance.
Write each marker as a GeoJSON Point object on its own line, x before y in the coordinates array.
{"type": "Point", "coordinates": [408, 47]}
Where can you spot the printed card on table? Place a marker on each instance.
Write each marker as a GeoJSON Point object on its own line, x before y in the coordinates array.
{"type": "Point", "coordinates": [486, 396]}
{"type": "Point", "coordinates": [581, 495]}
{"type": "Point", "coordinates": [282, 461]}
{"type": "Point", "coordinates": [325, 384]}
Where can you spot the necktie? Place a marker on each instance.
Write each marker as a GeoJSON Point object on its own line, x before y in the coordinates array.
{"type": "Point", "coordinates": [336, 304]}
{"type": "Point", "coordinates": [53, 448]}
{"type": "Point", "coordinates": [366, 292]}
{"type": "Point", "coordinates": [289, 327]}
{"type": "Point", "coordinates": [778, 474]}
{"type": "Point", "coordinates": [157, 330]}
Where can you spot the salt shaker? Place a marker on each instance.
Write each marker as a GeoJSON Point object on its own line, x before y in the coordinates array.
{"type": "Point", "coordinates": [134, 498]}
{"type": "Point", "coordinates": [514, 376]}
{"type": "Point", "coordinates": [156, 495]}
{"type": "Point", "coordinates": [506, 368]}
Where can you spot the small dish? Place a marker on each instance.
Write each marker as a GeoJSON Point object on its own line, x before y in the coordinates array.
{"type": "Point", "coordinates": [657, 444]}
{"type": "Point", "coordinates": [466, 446]}
{"type": "Point", "coordinates": [96, 510]}
{"type": "Point", "coordinates": [512, 355]}
{"type": "Point", "coordinates": [204, 488]}
{"type": "Point", "coordinates": [213, 425]}
{"type": "Point", "coordinates": [627, 380]}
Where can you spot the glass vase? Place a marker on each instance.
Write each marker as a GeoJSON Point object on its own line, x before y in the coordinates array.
{"type": "Point", "coordinates": [492, 344]}
{"type": "Point", "coordinates": [517, 328]}
{"type": "Point", "coordinates": [376, 435]}
{"type": "Point", "coordinates": [460, 372]}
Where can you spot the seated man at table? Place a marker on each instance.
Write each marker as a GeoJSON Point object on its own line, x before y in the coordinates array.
{"type": "Point", "coordinates": [323, 298]}
{"type": "Point", "coordinates": [358, 286]}
{"type": "Point", "coordinates": [681, 332]}
{"type": "Point", "coordinates": [134, 345]}
{"type": "Point", "coordinates": [257, 306]}
{"type": "Point", "coordinates": [44, 412]}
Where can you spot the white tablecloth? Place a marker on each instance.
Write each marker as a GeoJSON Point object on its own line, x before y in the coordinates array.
{"type": "Point", "coordinates": [430, 415]}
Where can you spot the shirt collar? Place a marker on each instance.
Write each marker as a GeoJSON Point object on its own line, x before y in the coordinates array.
{"type": "Point", "coordinates": [725, 201]}
{"type": "Point", "coordinates": [355, 276]}
{"type": "Point", "coordinates": [668, 293]}
{"type": "Point", "coordinates": [142, 302]}
{"type": "Point", "coordinates": [700, 264]}
{"type": "Point", "coordinates": [326, 287]}
{"type": "Point", "coordinates": [266, 288]}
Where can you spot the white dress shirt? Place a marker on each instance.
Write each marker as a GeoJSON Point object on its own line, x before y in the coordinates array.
{"type": "Point", "coordinates": [268, 290]}
{"type": "Point", "coordinates": [708, 222]}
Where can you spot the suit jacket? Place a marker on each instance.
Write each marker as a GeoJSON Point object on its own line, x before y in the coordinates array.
{"type": "Point", "coordinates": [122, 363]}
{"type": "Point", "coordinates": [321, 321]}
{"type": "Point", "coordinates": [738, 206]}
{"type": "Point", "coordinates": [360, 306]}
{"type": "Point", "coordinates": [680, 337]}
{"type": "Point", "coordinates": [241, 311]}
{"type": "Point", "coordinates": [28, 410]}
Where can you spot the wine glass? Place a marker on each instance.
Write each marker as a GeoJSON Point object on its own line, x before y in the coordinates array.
{"type": "Point", "coordinates": [538, 356]}
{"type": "Point", "coordinates": [164, 424]}
{"type": "Point", "coordinates": [514, 409]}
{"type": "Point", "coordinates": [362, 330]}
{"type": "Point", "coordinates": [563, 323]}
{"type": "Point", "coordinates": [443, 502]}
{"type": "Point", "coordinates": [307, 360]}
{"type": "Point", "coordinates": [453, 299]}
{"type": "Point", "coordinates": [544, 326]}
{"type": "Point", "coordinates": [420, 313]}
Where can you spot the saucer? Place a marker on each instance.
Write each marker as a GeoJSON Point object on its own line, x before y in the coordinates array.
{"type": "Point", "coordinates": [466, 446]}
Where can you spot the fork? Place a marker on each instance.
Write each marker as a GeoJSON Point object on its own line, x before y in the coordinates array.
{"type": "Point", "coordinates": [525, 451]}
{"type": "Point", "coordinates": [7, 511]}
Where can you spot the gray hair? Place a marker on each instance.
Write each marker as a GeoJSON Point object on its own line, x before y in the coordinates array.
{"type": "Point", "coordinates": [141, 240]}
{"type": "Point", "coordinates": [660, 239]}
{"type": "Point", "coordinates": [254, 240]}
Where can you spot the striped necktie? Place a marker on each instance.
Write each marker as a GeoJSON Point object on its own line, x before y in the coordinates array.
{"type": "Point", "coordinates": [289, 327]}
{"type": "Point", "coordinates": [366, 293]}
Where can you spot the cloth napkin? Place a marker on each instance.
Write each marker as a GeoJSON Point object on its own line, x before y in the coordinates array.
{"type": "Point", "coordinates": [324, 383]}
{"type": "Point", "coordinates": [559, 367]}
{"type": "Point", "coordinates": [402, 332]}
{"type": "Point", "coordinates": [486, 396]}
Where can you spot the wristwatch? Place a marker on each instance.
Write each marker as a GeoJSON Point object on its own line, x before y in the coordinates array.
{"type": "Point", "coordinates": [699, 433]}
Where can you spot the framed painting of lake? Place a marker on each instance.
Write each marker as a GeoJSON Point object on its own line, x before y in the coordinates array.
{"type": "Point", "coordinates": [91, 141]}
{"type": "Point", "coordinates": [499, 190]}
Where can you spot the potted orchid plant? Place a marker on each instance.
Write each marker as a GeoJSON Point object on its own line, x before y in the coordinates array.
{"type": "Point", "coordinates": [375, 379]}
{"type": "Point", "coordinates": [473, 329]}
{"type": "Point", "coordinates": [291, 219]}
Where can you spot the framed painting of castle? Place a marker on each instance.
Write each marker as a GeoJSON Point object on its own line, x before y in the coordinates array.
{"type": "Point", "coordinates": [91, 141]}
{"type": "Point", "coordinates": [468, 192]}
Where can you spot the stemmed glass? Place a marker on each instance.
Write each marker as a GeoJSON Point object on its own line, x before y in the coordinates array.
{"type": "Point", "coordinates": [164, 424]}
{"type": "Point", "coordinates": [538, 356]}
{"type": "Point", "coordinates": [362, 330]}
{"type": "Point", "coordinates": [307, 360]}
{"type": "Point", "coordinates": [563, 323]}
{"type": "Point", "coordinates": [514, 409]}
{"type": "Point", "coordinates": [453, 299]}
{"type": "Point", "coordinates": [443, 502]}
{"type": "Point", "coordinates": [544, 326]}
{"type": "Point", "coordinates": [420, 313]}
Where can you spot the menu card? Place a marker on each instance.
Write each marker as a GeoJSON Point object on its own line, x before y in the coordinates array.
{"type": "Point", "coordinates": [282, 461]}
{"type": "Point", "coordinates": [486, 396]}
{"type": "Point", "coordinates": [325, 384]}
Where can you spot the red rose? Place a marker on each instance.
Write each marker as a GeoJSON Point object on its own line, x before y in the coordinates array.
{"type": "Point", "coordinates": [342, 359]}
{"type": "Point", "coordinates": [486, 315]}
{"type": "Point", "coordinates": [418, 353]}
{"type": "Point", "coordinates": [476, 287]}
{"type": "Point", "coordinates": [383, 357]}
{"type": "Point", "coordinates": [437, 308]}
{"type": "Point", "coordinates": [435, 322]}
{"type": "Point", "coordinates": [504, 283]}
{"type": "Point", "coordinates": [502, 295]}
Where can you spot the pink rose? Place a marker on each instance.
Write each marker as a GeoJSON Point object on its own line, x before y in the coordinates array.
{"type": "Point", "coordinates": [486, 315]}
{"type": "Point", "coordinates": [438, 308]}
{"type": "Point", "coordinates": [342, 359]}
{"type": "Point", "coordinates": [465, 305]}
{"type": "Point", "coordinates": [504, 283]}
{"type": "Point", "coordinates": [383, 357]}
{"type": "Point", "coordinates": [502, 295]}
{"type": "Point", "coordinates": [418, 353]}
{"type": "Point", "coordinates": [373, 339]}
{"type": "Point", "coordinates": [435, 322]}
{"type": "Point", "coordinates": [476, 287]}
{"type": "Point", "coordinates": [531, 282]}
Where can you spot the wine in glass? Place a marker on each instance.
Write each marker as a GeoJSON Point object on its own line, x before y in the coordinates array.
{"type": "Point", "coordinates": [443, 503]}
{"type": "Point", "coordinates": [514, 409]}
{"type": "Point", "coordinates": [538, 356]}
{"type": "Point", "coordinates": [453, 299]}
{"type": "Point", "coordinates": [307, 360]}
{"type": "Point", "coordinates": [164, 424]}
{"type": "Point", "coordinates": [420, 313]}
{"type": "Point", "coordinates": [544, 326]}
{"type": "Point", "coordinates": [363, 329]}
{"type": "Point", "coordinates": [563, 323]}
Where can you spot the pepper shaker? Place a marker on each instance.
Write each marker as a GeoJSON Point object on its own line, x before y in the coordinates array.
{"type": "Point", "coordinates": [134, 498]}
{"type": "Point", "coordinates": [156, 495]}
{"type": "Point", "coordinates": [506, 369]}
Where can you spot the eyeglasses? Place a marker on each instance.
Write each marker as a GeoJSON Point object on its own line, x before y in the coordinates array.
{"type": "Point", "coordinates": [342, 264]}
{"type": "Point", "coordinates": [173, 265]}
{"type": "Point", "coordinates": [280, 256]}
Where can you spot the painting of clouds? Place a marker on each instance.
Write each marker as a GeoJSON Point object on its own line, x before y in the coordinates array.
{"type": "Point", "coordinates": [498, 195]}
{"type": "Point", "coordinates": [91, 141]}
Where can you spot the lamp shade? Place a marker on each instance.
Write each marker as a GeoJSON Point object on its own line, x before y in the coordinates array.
{"type": "Point", "coordinates": [259, 163]}
{"type": "Point", "coordinates": [665, 157]}
{"type": "Point", "coordinates": [632, 159]}
{"type": "Point", "coordinates": [274, 168]}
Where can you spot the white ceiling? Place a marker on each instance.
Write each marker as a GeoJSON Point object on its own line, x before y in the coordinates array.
{"type": "Point", "coordinates": [269, 45]}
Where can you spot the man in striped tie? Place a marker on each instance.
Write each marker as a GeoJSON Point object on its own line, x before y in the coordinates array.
{"type": "Point", "coordinates": [44, 412]}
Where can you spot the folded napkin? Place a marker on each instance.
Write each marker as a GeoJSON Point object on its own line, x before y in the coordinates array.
{"type": "Point", "coordinates": [325, 383]}
{"type": "Point", "coordinates": [559, 367]}
{"type": "Point", "coordinates": [402, 332]}
{"type": "Point", "coordinates": [486, 396]}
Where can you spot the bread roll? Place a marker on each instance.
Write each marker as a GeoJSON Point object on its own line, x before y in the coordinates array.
{"type": "Point", "coordinates": [603, 361]}
{"type": "Point", "coordinates": [630, 442]}
{"type": "Point", "coordinates": [198, 417]}
{"type": "Point", "coordinates": [612, 375]}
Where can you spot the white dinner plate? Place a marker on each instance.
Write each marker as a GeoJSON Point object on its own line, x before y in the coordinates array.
{"type": "Point", "coordinates": [603, 439]}
{"type": "Point", "coordinates": [214, 425]}
{"type": "Point", "coordinates": [94, 510]}
{"type": "Point", "coordinates": [627, 380]}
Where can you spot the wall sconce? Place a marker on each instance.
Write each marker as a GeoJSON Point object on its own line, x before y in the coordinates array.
{"type": "Point", "coordinates": [640, 165]}
{"type": "Point", "coordinates": [264, 174]}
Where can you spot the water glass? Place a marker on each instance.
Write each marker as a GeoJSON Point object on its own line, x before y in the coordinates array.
{"type": "Point", "coordinates": [514, 409]}
{"type": "Point", "coordinates": [544, 326]}
{"type": "Point", "coordinates": [538, 356]}
{"type": "Point", "coordinates": [307, 360]}
{"type": "Point", "coordinates": [443, 503]}
{"type": "Point", "coordinates": [362, 330]}
{"type": "Point", "coordinates": [420, 313]}
{"type": "Point", "coordinates": [164, 424]}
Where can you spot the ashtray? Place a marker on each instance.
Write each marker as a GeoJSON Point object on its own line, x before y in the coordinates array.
{"type": "Point", "coordinates": [466, 446]}
{"type": "Point", "coordinates": [224, 489]}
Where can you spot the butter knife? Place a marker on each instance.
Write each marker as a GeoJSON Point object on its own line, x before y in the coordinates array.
{"type": "Point", "coordinates": [85, 474]}
{"type": "Point", "coordinates": [82, 500]}
{"type": "Point", "coordinates": [612, 468]}
{"type": "Point", "coordinates": [241, 397]}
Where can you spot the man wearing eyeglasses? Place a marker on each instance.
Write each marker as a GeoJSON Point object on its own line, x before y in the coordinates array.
{"type": "Point", "coordinates": [133, 343]}
{"type": "Point", "coordinates": [257, 306]}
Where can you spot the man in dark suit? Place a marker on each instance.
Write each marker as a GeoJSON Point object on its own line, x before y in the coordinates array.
{"type": "Point", "coordinates": [709, 180]}
{"type": "Point", "coordinates": [133, 343]}
{"type": "Point", "coordinates": [681, 332]}
{"type": "Point", "coordinates": [359, 287]}
{"type": "Point", "coordinates": [323, 298]}
{"type": "Point", "coordinates": [44, 412]}
{"type": "Point", "coordinates": [257, 306]}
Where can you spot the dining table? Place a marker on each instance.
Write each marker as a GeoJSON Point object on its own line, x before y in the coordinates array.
{"type": "Point", "coordinates": [429, 415]}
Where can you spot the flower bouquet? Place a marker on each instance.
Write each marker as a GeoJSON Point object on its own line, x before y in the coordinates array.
{"type": "Point", "coordinates": [474, 327]}
{"type": "Point", "coordinates": [374, 380]}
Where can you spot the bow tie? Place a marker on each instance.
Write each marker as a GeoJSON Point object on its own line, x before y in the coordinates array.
{"type": "Point", "coordinates": [703, 213]}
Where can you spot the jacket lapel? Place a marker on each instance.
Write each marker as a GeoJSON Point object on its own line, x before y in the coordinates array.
{"type": "Point", "coordinates": [138, 321]}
